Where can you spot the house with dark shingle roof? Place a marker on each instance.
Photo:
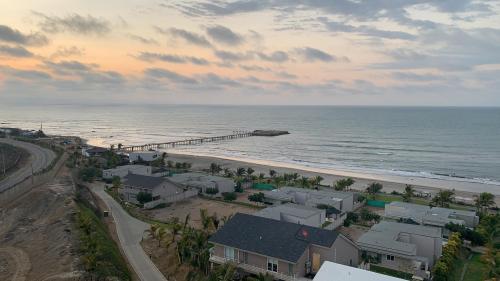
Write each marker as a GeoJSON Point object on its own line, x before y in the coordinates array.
{"type": "Point", "coordinates": [286, 250]}
{"type": "Point", "coordinates": [161, 189]}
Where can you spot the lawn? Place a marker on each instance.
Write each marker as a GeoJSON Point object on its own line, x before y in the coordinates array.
{"type": "Point", "coordinates": [390, 272]}
{"type": "Point", "coordinates": [476, 270]}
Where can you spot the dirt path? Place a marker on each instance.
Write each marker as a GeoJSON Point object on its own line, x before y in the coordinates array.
{"type": "Point", "coordinates": [21, 262]}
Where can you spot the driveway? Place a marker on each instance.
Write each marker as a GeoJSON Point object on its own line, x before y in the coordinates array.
{"type": "Point", "coordinates": [40, 158]}
{"type": "Point", "coordinates": [130, 232]}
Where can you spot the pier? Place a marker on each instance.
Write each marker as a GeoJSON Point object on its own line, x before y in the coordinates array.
{"type": "Point", "coordinates": [197, 141]}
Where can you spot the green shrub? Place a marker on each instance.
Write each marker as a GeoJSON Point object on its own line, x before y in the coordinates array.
{"type": "Point", "coordinates": [144, 197]}
{"type": "Point", "coordinates": [229, 196]}
{"type": "Point", "coordinates": [211, 190]}
{"type": "Point", "coordinates": [256, 197]}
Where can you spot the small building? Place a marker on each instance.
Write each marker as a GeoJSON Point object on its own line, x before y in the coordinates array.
{"type": "Point", "coordinates": [146, 156]}
{"type": "Point", "coordinates": [287, 251]}
{"type": "Point", "coordinates": [403, 247]}
{"type": "Point", "coordinates": [161, 190]}
{"type": "Point", "coordinates": [294, 213]}
{"type": "Point", "coordinates": [426, 215]}
{"type": "Point", "coordinates": [343, 201]}
{"type": "Point", "coordinates": [122, 171]}
{"type": "Point", "coordinates": [203, 181]}
{"type": "Point", "coordinates": [93, 151]}
{"type": "Point", "coordinates": [331, 271]}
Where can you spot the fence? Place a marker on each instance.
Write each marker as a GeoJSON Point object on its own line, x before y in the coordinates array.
{"type": "Point", "coordinates": [31, 182]}
{"type": "Point", "coordinates": [172, 198]}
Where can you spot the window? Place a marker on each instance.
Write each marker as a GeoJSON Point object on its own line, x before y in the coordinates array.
{"type": "Point", "coordinates": [272, 264]}
{"type": "Point", "coordinates": [390, 257]}
{"type": "Point", "coordinates": [229, 253]}
{"type": "Point", "coordinates": [245, 257]}
{"type": "Point", "coordinates": [290, 269]}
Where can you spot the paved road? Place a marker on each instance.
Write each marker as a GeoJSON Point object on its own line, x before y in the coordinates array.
{"type": "Point", "coordinates": [40, 158]}
{"type": "Point", "coordinates": [130, 232]}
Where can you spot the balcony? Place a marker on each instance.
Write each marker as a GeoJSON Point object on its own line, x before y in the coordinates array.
{"type": "Point", "coordinates": [256, 270]}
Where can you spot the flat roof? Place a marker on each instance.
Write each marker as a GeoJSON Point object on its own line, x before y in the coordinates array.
{"type": "Point", "coordinates": [385, 236]}
{"type": "Point", "coordinates": [331, 271]}
{"type": "Point", "coordinates": [290, 209]}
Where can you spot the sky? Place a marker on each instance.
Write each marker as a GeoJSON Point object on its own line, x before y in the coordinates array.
{"type": "Point", "coordinates": [270, 52]}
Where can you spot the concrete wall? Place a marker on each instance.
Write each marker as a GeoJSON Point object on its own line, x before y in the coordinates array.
{"type": "Point", "coordinates": [31, 182]}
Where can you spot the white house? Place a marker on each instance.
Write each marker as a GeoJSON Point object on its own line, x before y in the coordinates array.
{"type": "Point", "coordinates": [299, 214]}
{"type": "Point", "coordinates": [331, 271]}
{"type": "Point", "coordinates": [403, 247]}
{"type": "Point", "coordinates": [204, 181]}
{"type": "Point", "coordinates": [122, 171]}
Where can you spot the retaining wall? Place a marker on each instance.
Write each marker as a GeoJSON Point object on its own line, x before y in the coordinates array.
{"type": "Point", "coordinates": [31, 182]}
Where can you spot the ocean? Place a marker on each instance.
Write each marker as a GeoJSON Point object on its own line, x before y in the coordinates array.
{"type": "Point", "coordinates": [443, 143]}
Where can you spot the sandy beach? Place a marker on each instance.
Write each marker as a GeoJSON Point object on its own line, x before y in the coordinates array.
{"type": "Point", "coordinates": [390, 183]}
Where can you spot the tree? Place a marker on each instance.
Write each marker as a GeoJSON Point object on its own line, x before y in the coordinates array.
{"type": "Point", "coordinates": [256, 197]}
{"type": "Point", "coordinates": [229, 196]}
{"type": "Point", "coordinates": [144, 197]}
{"type": "Point", "coordinates": [215, 168]}
{"type": "Point", "coordinates": [262, 176]}
{"type": "Point", "coordinates": [484, 201]}
{"type": "Point", "coordinates": [374, 188]}
{"type": "Point", "coordinates": [228, 173]}
{"type": "Point", "coordinates": [117, 182]}
{"type": "Point", "coordinates": [343, 184]}
{"type": "Point", "coordinates": [211, 190]}
{"type": "Point", "coordinates": [272, 173]}
{"type": "Point", "coordinates": [316, 181]}
{"type": "Point", "coordinates": [443, 198]}
{"type": "Point", "coordinates": [170, 164]}
{"type": "Point", "coordinates": [409, 193]}
{"type": "Point", "coordinates": [250, 171]}
{"type": "Point", "coordinates": [240, 172]}
{"type": "Point", "coordinates": [120, 146]}
{"type": "Point", "coordinates": [304, 182]}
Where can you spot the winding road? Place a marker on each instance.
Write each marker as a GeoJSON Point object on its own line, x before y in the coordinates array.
{"type": "Point", "coordinates": [40, 158]}
{"type": "Point", "coordinates": [130, 232]}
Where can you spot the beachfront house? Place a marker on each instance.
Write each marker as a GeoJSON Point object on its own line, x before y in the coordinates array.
{"type": "Point", "coordinates": [342, 201]}
{"type": "Point", "coordinates": [143, 156]}
{"type": "Point", "coordinates": [93, 151]}
{"type": "Point", "coordinates": [432, 216]}
{"type": "Point", "coordinates": [203, 181]}
{"type": "Point", "coordinates": [331, 271]}
{"type": "Point", "coordinates": [295, 213]}
{"type": "Point", "coordinates": [122, 171]}
{"type": "Point", "coordinates": [403, 247]}
{"type": "Point", "coordinates": [287, 251]}
{"type": "Point", "coordinates": [161, 190]}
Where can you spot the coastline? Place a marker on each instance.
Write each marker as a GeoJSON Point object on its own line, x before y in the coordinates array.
{"type": "Point", "coordinates": [390, 182]}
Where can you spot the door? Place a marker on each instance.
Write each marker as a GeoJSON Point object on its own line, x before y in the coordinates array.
{"type": "Point", "coordinates": [316, 263]}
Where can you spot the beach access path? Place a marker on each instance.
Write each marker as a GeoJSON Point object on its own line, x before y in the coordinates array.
{"type": "Point", "coordinates": [40, 158]}
{"type": "Point", "coordinates": [130, 233]}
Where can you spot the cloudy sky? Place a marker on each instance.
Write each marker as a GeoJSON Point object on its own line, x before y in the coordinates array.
{"type": "Point", "coordinates": [338, 52]}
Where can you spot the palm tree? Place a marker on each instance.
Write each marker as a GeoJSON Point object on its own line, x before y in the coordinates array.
{"type": "Point", "coordinates": [262, 176]}
{"type": "Point", "coordinates": [206, 220]}
{"type": "Point", "coordinates": [120, 146]}
{"type": "Point", "coordinates": [343, 184]}
{"type": "Point", "coordinates": [215, 168]}
{"type": "Point", "coordinates": [272, 173]}
{"type": "Point", "coordinates": [160, 235]}
{"type": "Point", "coordinates": [304, 182]}
{"type": "Point", "coordinates": [443, 198]}
{"type": "Point", "coordinates": [224, 272]}
{"type": "Point", "coordinates": [152, 230]}
{"type": "Point", "coordinates": [240, 172]}
{"type": "Point", "coordinates": [409, 193]}
{"type": "Point", "coordinates": [316, 181]}
{"type": "Point", "coordinates": [250, 171]}
{"type": "Point", "coordinates": [484, 201]}
{"type": "Point", "coordinates": [228, 173]}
